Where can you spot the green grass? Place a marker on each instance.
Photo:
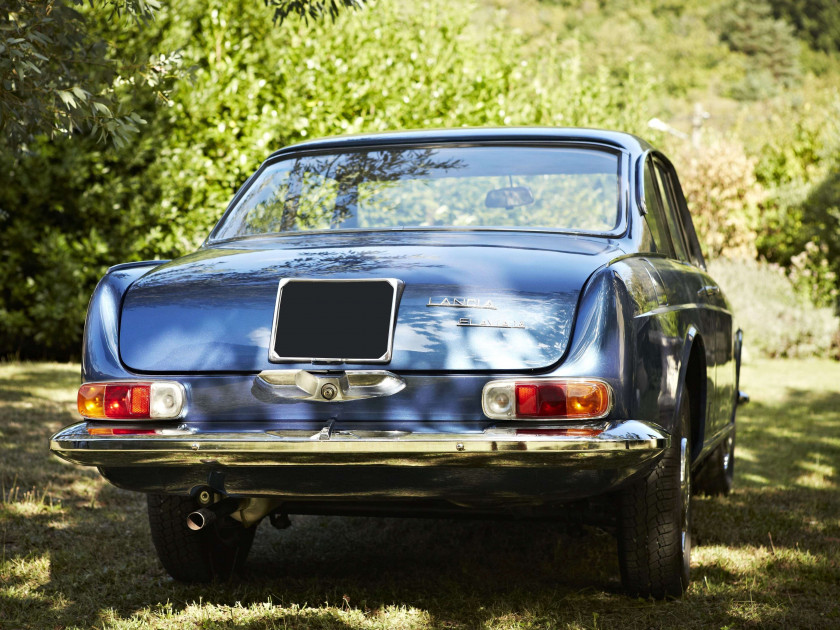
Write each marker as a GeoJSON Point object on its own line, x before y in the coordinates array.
{"type": "Point", "coordinates": [77, 553]}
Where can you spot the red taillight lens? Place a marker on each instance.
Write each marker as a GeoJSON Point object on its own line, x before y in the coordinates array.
{"type": "Point", "coordinates": [527, 400]}
{"type": "Point", "coordinates": [131, 401]}
{"type": "Point", "coordinates": [589, 399]}
{"type": "Point", "coordinates": [127, 401]}
{"type": "Point", "coordinates": [560, 399]}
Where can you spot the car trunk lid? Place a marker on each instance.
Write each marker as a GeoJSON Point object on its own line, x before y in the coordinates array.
{"type": "Point", "coordinates": [471, 301]}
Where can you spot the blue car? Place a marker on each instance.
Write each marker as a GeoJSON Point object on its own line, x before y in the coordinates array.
{"type": "Point", "coordinates": [467, 322]}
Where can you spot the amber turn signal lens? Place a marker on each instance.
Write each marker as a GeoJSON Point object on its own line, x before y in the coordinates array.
{"type": "Point", "coordinates": [587, 399]}
{"type": "Point", "coordinates": [91, 400]}
{"type": "Point", "coordinates": [113, 431]}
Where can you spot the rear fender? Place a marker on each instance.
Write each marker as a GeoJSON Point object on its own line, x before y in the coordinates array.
{"type": "Point", "coordinates": [100, 345]}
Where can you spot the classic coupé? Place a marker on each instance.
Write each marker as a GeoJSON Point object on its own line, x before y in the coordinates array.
{"type": "Point", "coordinates": [472, 321]}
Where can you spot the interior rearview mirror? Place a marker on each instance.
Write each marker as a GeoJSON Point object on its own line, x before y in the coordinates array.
{"type": "Point", "coordinates": [509, 197]}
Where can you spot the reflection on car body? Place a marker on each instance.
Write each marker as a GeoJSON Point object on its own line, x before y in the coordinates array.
{"type": "Point", "coordinates": [548, 343]}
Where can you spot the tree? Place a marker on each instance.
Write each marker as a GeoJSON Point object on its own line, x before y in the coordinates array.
{"type": "Point", "coordinates": [71, 207]}
{"type": "Point", "coordinates": [771, 52]}
{"type": "Point", "coordinates": [815, 21]}
{"type": "Point", "coordinates": [59, 76]}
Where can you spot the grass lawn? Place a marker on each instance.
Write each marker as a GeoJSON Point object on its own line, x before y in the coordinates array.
{"type": "Point", "coordinates": [77, 551]}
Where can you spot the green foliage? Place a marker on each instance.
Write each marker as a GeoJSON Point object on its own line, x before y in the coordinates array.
{"type": "Point", "coordinates": [63, 68]}
{"type": "Point", "coordinates": [240, 86]}
{"type": "Point", "coordinates": [56, 79]}
{"type": "Point", "coordinates": [815, 21]}
{"type": "Point", "coordinates": [811, 274]}
{"type": "Point", "coordinates": [70, 209]}
{"type": "Point", "coordinates": [770, 51]}
{"type": "Point", "coordinates": [314, 9]}
{"type": "Point", "coordinates": [777, 320]}
{"type": "Point", "coordinates": [798, 166]}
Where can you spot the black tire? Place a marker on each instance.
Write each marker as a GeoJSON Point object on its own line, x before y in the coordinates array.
{"type": "Point", "coordinates": [212, 553]}
{"type": "Point", "coordinates": [654, 529]}
{"type": "Point", "coordinates": [717, 472]}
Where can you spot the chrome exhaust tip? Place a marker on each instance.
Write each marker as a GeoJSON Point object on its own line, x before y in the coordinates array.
{"type": "Point", "coordinates": [200, 519]}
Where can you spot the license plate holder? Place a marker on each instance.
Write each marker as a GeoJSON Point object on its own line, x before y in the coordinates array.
{"type": "Point", "coordinates": [334, 321]}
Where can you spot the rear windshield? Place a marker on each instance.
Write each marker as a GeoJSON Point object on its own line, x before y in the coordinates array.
{"type": "Point", "coordinates": [552, 188]}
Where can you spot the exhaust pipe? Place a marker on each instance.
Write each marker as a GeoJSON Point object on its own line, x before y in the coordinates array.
{"type": "Point", "coordinates": [205, 516]}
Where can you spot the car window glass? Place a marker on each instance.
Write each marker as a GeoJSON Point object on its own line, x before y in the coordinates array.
{"type": "Point", "coordinates": [655, 218]}
{"type": "Point", "coordinates": [555, 188]}
{"type": "Point", "coordinates": [674, 223]}
{"type": "Point", "coordinates": [694, 251]}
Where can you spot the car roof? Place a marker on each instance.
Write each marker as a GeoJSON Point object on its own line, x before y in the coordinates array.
{"type": "Point", "coordinates": [626, 141]}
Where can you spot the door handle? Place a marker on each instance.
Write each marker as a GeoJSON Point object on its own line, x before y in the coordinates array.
{"type": "Point", "coordinates": [709, 290]}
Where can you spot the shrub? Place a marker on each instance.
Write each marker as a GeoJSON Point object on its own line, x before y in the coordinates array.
{"type": "Point", "coordinates": [70, 209]}
{"type": "Point", "coordinates": [719, 183]}
{"type": "Point", "coordinates": [777, 321]}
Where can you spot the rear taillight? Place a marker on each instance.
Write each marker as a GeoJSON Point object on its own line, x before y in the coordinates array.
{"type": "Point", "coordinates": [554, 399]}
{"type": "Point", "coordinates": [160, 400]}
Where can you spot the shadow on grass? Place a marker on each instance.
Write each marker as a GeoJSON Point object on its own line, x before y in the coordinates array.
{"type": "Point", "coordinates": [786, 444]}
{"type": "Point", "coordinates": [21, 379]}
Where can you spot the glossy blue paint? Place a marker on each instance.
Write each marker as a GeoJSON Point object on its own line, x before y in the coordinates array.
{"type": "Point", "coordinates": [213, 311]}
{"type": "Point", "coordinates": [602, 307]}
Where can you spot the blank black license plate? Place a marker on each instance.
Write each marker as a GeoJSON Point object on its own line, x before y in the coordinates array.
{"type": "Point", "coordinates": [350, 321]}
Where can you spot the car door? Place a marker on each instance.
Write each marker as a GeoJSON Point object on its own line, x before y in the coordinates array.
{"type": "Point", "coordinates": [714, 315]}
{"type": "Point", "coordinates": [685, 284]}
{"type": "Point", "coordinates": [726, 371]}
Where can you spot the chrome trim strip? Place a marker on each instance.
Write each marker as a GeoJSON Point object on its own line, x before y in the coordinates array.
{"type": "Point", "coordinates": [626, 441]}
{"type": "Point", "coordinates": [396, 285]}
{"type": "Point", "coordinates": [343, 386]}
{"type": "Point", "coordinates": [695, 306]}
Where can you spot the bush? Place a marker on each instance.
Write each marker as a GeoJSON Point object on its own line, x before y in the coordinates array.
{"type": "Point", "coordinates": [816, 21]}
{"type": "Point", "coordinates": [70, 209]}
{"type": "Point", "coordinates": [720, 186]}
{"type": "Point", "coordinates": [777, 321]}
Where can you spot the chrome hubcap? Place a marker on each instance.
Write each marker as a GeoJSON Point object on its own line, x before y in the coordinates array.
{"type": "Point", "coordinates": [727, 453]}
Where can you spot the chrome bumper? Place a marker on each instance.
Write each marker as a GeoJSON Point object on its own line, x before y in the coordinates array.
{"type": "Point", "coordinates": [621, 444]}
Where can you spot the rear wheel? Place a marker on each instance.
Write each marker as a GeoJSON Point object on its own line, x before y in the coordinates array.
{"type": "Point", "coordinates": [654, 532]}
{"type": "Point", "coordinates": [212, 553]}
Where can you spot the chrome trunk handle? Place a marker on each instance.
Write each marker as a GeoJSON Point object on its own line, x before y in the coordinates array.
{"type": "Point", "coordinates": [333, 386]}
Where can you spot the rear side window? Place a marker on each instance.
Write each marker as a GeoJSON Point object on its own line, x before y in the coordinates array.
{"type": "Point", "coordinates": [669, 205]}
{"type": "Point", "coordinates": [694, 252]}
{"type": "Point", "coordinates": [655, 217]}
